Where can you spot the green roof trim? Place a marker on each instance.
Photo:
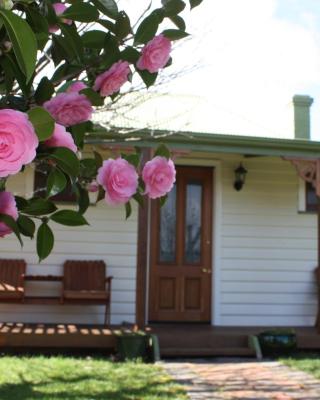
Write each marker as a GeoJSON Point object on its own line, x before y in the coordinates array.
{"type": "Point", "coordinates": [208, 142]}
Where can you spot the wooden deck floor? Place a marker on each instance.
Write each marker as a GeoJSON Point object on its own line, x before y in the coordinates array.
{"type": "Point", "coordinates": [57, 335]}
{"type": "Point", "coordinates": [205, 340]}
{"type": "Point", "coordinates": [174, 339]}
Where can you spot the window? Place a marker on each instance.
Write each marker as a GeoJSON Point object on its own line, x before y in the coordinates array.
{"type": "Point", "coordinates": [311, 198]}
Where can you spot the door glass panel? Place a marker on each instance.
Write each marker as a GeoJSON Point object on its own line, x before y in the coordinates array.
{"type": "Point", "coordinates": [168, 228]}
{"type": "Point", "coordinates": [192, 252]}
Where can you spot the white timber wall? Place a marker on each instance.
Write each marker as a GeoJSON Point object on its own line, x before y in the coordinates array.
{"type": "Point", "coordinates": [263, 262]}
{"type": "Point", "coordinates": [268, 248]}
{"type": "Point", "coordinates": [109, 237]}
{"type": "Point", "coordinates": [264, 249]}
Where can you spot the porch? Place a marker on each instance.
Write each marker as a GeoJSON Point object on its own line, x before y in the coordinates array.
{"type": "Point", "coordinates": [175, 339]}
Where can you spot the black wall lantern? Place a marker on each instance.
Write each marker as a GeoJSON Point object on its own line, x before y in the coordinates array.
{"type": "Point", "coordinates": [240, 177]}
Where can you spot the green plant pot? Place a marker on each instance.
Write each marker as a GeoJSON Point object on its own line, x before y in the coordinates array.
{"type": "Point", "coordinates": [132, 347]}
{"type": "Point", "coordinates": [277, 342]}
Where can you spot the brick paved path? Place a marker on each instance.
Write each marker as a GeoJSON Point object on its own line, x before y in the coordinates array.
{"type": "Point", "coordinates": [243, 380]}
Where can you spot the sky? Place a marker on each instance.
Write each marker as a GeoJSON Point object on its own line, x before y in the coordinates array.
{"type": "Point", "coordinates": [249, 58]}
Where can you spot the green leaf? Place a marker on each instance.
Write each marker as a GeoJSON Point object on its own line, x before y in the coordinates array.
{"type": "Point", "coordinates": [163, 200]}
{"type": "Point", "coordinates": [148, 78]}
{"type": "Point", "coordinates": [112, 51]}
{"type": "Point", "coordinates": [12, 70]}
{"type": "Point", "coordinates": [50, 13]}
{"type": "Point", "coordinates": [195, 3]}
{"type": "Point", "coordinates": [82, 199]}
{"type": "Point", "coordinates": [175, 34]}
{"type": "Point", "coordinates": [93, 96]}
{"type": "Point", "coordinates": [66, 160]}
{"type": "Point", "coordinates": [39, 25]}
{"type": "Point", "coordinates": [38, 206]}
{"type": "Point", "coordinates": [108, 25]}
{"type": "Point", "coordinates": [69, 218]}
{"type": "Point", "coordinates": [173, 7]}
{"type": "Point", "coordinates": [45, 241]}
{"type": "Point", "coordinates": [147, 29]}
{"type": "Point", "coordinates": [179, 22]}
{"type": "Point", "coordinates": [78, 133]}
{"type": "Point", "coordinates": [26, 226]}
{"type": "Point", "coordinates": [72, 40]}
{"type": "Point", "coordinates": [130, 54]}
{"type": "Point", "coordinates": [122, 25]}
{"type": "Point", "coordinates": [133, 159]}
{"type": "Point", "coordinates": [94, 39]}
{"type": "Point", "coordinates": [98, 158]}
{"type": "Point", "coordinates": [56, 182]}
{"type": "Point", "coordinates": [9, 75]}
{"type": "Point", "coordinates": [88, 168]}
{"type": "Point", "coordinates": [23, 40]}
{"type": "Point", "coordinates": [107, 7]}
{"type": "Point", "coordinates": [139, 199]}
{"type": "Point", "coordinates": [82, 12]}
{"type": "Point", "coordinates": [42, 122]}
{"type": "Point", "coordinates": [101, 194]}
{"type": "Point", "coordinates": [162, 151]}
{"type": "Point", "coordinates": [11, 223]}
{"type": "Point", "coordinates": [44, 91]}
{"type": "Point", "coordinates": [128, 209]}
{"type": "Point", "coordinates": [21, 202]}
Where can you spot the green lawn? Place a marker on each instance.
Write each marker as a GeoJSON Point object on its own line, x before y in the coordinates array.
{"type": "Point", "coordinates": [305, 362]}
{"type": "Point", "coordinates": [65, 378]}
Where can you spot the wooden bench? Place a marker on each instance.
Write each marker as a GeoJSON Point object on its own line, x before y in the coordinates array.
{"type": "Point", "coordinates": [83, 282]}
{"type": "Point", "coordinates": [12, 274]}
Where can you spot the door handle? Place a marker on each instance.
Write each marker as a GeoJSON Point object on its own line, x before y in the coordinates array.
{"type": "Point", "coordinates": [206, 271]}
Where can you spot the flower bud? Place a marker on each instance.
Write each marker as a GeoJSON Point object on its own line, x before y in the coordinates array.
{"type": "Point", "coordinates": [7, 46]}
{"type": "Point", "coordinates": [6, 4]}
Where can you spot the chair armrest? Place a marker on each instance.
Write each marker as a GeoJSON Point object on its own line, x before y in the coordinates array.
{"type": "Point", "coordinates": [108, 279]}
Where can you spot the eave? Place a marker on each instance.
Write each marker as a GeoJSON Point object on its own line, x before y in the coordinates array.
{"type": "Point", "coordinates": [208, 142]}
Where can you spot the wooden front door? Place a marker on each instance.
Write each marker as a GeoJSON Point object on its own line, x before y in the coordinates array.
{"type": "Point", "coordinates": [181, 260]}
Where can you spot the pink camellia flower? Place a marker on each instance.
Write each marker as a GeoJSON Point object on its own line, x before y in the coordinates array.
{"type": "Point", "coordinates": [8, 207]}
{"type": "Point", "coordinates": [59, 9]}
{"type": "Point", "coordinates": [159, 175]}
{"type": "Point", "coordinates": [61, 138]}
{"type": "Point", "coordinates": [76, 87]}
{"type": "Point", "coordinates": [18, 141]}
{"type": "Point", "coordinates": [119, 179]}
{"type": "Point", "coordinates": [93, 187]}
{"type": "Point", "coordinates": [110, 81]}
{"type": "Point", "coordinates": [69, 108]}
{"type": "Point", "coordinates": [155, 54]}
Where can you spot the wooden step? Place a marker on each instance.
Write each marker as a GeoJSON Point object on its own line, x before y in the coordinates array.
{"type": "Point", "coordinates": [188, 340]}
{"type": "Point", "coordinates": [204, 351]}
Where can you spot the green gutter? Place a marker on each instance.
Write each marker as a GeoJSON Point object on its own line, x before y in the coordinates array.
{"type": "Point", "coordinates": [209, 142]}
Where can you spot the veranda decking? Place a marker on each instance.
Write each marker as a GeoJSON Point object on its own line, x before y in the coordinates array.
{"type": "Point", "coordinates": [174, 339]}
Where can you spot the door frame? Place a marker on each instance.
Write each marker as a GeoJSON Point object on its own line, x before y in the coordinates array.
{"type": "Point", "coordinates": [143, 267]}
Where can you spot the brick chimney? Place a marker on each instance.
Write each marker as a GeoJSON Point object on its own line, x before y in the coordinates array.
{"type": "Point", "coordinates": [301, 108]}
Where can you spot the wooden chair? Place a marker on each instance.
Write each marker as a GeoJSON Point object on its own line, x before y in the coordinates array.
{"type": "Point", "coordinates": [85, 282]}
{"type": "Point", "coordinates": [12, 274]}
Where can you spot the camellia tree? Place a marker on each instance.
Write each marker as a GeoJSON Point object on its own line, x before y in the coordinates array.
{"type": "Point", "coordinates": [91, 51]}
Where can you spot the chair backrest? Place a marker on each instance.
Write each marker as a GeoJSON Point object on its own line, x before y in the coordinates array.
{"type": "Point", "coordinates": [84, 275]}
{"type": "Point", "coordinates": [11, 272]}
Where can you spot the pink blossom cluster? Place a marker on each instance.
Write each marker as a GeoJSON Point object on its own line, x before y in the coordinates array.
{"type": "Point", "coordinates": [120, 179]}
{"type": "Point", "coordinates": [72, 107]}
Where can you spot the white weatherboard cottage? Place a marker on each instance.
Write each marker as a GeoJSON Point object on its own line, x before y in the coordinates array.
{"type": "Point", "coordinates": [212, 254]}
